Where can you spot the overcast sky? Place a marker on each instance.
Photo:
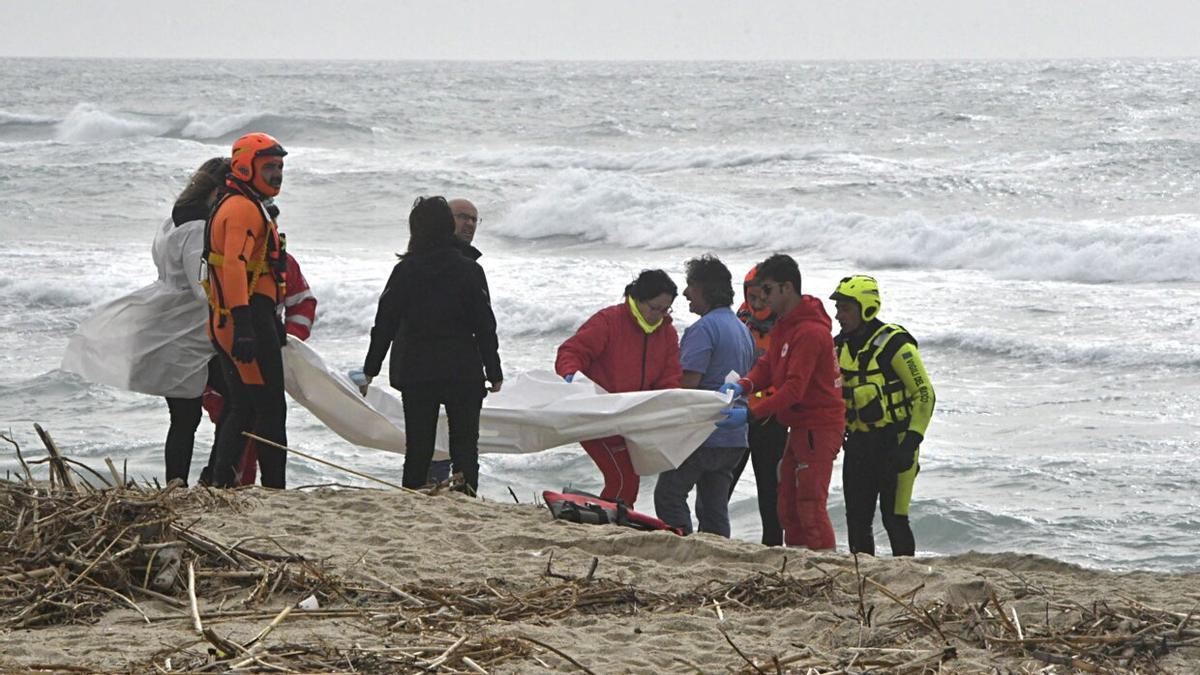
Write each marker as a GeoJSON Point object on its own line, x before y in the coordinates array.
{"type": "Point", "coordinates": [602, 29]}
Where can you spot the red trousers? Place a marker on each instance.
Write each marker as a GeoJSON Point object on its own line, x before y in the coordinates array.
{"type": "Point", "coordinates": [612, 457]}
{"type": "Point", "coordinates": [804, 474]}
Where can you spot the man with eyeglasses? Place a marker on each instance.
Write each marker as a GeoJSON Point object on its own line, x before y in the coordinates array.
{"type": "Point", "coordinates": [801, 366]}
{"type": "Point", "coordinates": [466, 220]}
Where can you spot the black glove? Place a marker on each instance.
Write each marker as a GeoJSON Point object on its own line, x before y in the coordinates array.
{"type": "Point", "coordinates": [281, 331]}
{"type": "Point", "coordinates": [905, 453]}
{"type": "Point", "coordinates": [243, 335]}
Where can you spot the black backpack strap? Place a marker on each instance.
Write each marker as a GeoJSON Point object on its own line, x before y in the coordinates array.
{"type": "Point", "coordinates": [900, 337]}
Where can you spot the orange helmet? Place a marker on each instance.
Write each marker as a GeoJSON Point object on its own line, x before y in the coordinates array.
{"type": "Point", "coordinates": [751, 285]}
{"type": "Point", "coordinates": [244, 162]}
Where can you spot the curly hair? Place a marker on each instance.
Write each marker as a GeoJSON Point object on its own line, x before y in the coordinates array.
{"type": "Point", "coordinates": [714, 279]}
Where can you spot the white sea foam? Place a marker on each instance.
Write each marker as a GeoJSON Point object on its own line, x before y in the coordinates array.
{"type": "Point", "coordinates": [629, 211]}
{"type": "Point", "coordinates": [662, 159]}
{"type": "Point", "coordinates": [204, 128]}
{"type": "Point", "coordinates": [18, 118]}
{"type": "Point", "coordinates": [1117, 351]}
{"type": "Point", "coordinates": [33, 292]}
{"type": "Point", "coordinates": [347, 308]}
{"type": "Point", "coordinates": [88, 124]}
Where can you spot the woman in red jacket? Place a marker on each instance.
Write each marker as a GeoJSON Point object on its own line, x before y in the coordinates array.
{"type": "Point", "coordinates": [630, 346]}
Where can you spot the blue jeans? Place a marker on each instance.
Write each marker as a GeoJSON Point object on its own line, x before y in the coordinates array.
{"type": "Point", "coordinates": [710, 471]}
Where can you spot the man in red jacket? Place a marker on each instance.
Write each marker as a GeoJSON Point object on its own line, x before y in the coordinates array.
{"type": "Point", "coordinates": [801, 366]}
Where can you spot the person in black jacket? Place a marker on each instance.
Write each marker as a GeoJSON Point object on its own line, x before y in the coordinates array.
{"type": "Point", "coordinates": [466, 221]}
{"type": "Point", "coordinates": [437, 311]}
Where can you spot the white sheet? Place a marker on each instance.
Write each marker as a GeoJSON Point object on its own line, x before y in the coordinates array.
{"type": "Point", "coordinates": [154, 340]}
{"type": "Point", "coordinates": [533, 412]}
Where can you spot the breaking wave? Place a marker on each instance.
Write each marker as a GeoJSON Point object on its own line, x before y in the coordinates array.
{"type": "Point", "coordinates": [628, 211]}
{"type": "Point", "coordinates": [88, 123]}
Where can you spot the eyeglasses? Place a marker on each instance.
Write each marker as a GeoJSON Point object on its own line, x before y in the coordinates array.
{"type": "Point", "coordinates": [468, 218]}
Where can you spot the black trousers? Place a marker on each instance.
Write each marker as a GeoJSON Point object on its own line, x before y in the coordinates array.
{"type": "Point", "coordinates": [422, 403]}
{"type": "Point", "coordinates": [869, 478]}
{"type": "Point", "coordinates": [185, 418]}
{"type": "Point", "coordinates": [259, 408]}
{"type": "Point", "coordinates": [181, 436]}
{"type": "Point", "coordinates": [767, 442]}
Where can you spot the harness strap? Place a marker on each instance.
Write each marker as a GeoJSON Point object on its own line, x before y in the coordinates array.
{"type": "Point", "coordinates": [879, 348]}
{"type": "Point", "coordinates": [218, 260]}
{"type": "Point", "coordinates": [254, 268]}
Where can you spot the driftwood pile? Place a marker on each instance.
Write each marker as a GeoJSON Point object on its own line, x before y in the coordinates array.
{"type": "Point", "coordinates": [72, 550]}
{"type": "Point", "coordinates": [896, 634]}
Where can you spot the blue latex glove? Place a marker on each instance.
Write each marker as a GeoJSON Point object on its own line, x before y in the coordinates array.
{"type": "Point", "coordinates": [360, 379]}
{"type": "Point", "coordinates": [568, 377]}
{"type": "Point", "coordinates": [731, 386]}
{"type": "Point", "coordinates": [734, 417]}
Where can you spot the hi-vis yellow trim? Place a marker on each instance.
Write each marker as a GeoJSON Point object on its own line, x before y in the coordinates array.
{"type": "Point", "coordinates": [218, 260]}
{"type": "Point", "coordinates": [256, 268]}
{"type": "Point", "coordinates": [647, 327]}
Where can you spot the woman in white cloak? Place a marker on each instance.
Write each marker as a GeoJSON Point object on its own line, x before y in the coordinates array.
{"type": "Point", "coordinates": [155, 340]}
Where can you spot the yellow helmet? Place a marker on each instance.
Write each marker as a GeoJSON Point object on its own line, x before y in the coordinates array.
{"type": "Point", "coordinates": [861, 289]}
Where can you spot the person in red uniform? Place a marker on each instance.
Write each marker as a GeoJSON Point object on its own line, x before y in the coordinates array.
{"type": "Point", "coordinates": [299, 314]}
{"type": "Point", "coordinates": [630, 346]}
{"type": "Point", "coordinates": [246, 278]}
{"type": "Point", "coordinates": [801, 366]}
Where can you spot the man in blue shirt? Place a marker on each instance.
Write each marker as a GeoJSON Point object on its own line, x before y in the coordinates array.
{"type": "Point", "coordinates": [712, 347]}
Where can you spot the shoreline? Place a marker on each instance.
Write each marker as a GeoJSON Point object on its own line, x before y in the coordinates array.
{"type": "Point", "coordinates": [512, 580]}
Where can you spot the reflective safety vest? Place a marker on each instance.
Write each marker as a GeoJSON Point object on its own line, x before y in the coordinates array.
{"type": "Point", "coordinates": [874, 395]}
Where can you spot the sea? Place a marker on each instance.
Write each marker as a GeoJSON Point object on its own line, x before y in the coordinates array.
{"type": "Point", "coordinates": [1032, 223]}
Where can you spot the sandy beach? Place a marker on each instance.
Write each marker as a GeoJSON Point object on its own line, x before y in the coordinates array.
{"type": "Point", "coordinates": [654, 602]}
